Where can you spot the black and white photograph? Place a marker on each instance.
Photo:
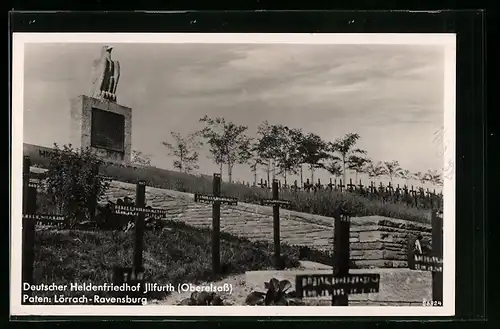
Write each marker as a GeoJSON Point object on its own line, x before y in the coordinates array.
{"type": "Point", "coordinates": [166, 171]}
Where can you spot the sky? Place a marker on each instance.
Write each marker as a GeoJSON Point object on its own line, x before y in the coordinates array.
{"type": "Point", "coordinates": [392, 95]}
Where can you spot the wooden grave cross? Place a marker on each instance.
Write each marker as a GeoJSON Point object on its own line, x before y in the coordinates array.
{"type": "Point", "coordinates": [433, 262]}
{"type": "Point", "coordinates": [341, 186]}
{"type": "Point", "coordinates": [318, 185]}
{"type": "Point", "coordinates": [390, 188]}
{"type": "Point", "coordinates": [216, 200]}
{"type": "Point", "coordinates": [308, 185]}
{"type": "Point", "coordinates": [330, 185]}
{"type": "Point", "coordinates": [351, 187]}
{"type": "Point", "coordinates": [412, 191]}
{"type": "Point", "coordinates": [340, 284]}
{"type": "Point", "coordinates": [372, 187]}
{"type": "Point", "coordinates": [381, 188]}
{"type": "Point", "coordinates": [134, 274]}
{"type": "Point", "coordinates": [139, 211]}
{"type": "Point", "coordinates": [360, 185]}
{"type": "Point", "coordinates": [276, 203]}
{"type": "Point", "coordinates": [262, 184]}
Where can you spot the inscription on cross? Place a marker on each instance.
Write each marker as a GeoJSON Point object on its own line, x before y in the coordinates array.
{"type": "Point", "coordinates": [216, 200]}
{"type": "Point", "coordinates": [340, 284]}
{"type": "Point", "coordinates": [276, 203]}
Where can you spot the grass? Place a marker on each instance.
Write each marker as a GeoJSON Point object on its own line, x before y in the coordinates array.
{"type": "Point", "coordinates": [179, 254]}
{"type": "Point", "coordinates": [322, 202]}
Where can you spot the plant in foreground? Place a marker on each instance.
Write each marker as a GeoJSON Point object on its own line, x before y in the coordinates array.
{"type": "Point", "coordinates": [276, 295]}
{"type": "Point", "coordinates": [203, 299]}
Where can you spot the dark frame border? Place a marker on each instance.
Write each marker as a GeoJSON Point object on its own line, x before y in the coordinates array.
{"type": "Point", "coordinates": [470, 148]}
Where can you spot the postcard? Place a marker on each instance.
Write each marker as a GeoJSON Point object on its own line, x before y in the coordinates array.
{"type": "Point", "coordinates": [184, 174]}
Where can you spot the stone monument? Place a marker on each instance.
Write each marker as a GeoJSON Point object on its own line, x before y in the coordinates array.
{"type": "Point", "coordinates": [98, 121]}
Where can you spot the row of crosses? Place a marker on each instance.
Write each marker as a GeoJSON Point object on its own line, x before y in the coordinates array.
{"type": "Point", "coordinates": [372, 188]}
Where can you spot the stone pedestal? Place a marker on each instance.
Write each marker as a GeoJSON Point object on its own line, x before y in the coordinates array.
{"type": "Point", "coordinates": [102, 125]}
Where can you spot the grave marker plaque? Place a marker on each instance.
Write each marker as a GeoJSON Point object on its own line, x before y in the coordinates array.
{"type": "Point", "coordinates": [329, 285]}
{"type": "Point", "coordinates": [340, 284]}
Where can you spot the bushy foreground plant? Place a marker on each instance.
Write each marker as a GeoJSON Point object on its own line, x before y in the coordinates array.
{"type": "Point", "coordinates": [74, 183]}
{"type": "Point", "coordinates": [276, 294]}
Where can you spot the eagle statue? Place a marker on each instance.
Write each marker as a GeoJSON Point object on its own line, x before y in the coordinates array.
{"type": "Point", "coordinates": [105, 76]}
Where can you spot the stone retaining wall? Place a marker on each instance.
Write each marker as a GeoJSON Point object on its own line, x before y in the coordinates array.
{"type": "Point", "coordinates": [375, 241]}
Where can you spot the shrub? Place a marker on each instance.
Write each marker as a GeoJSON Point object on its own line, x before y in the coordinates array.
{"type": "Point", "coordinates": [276, 294]}
{"type": "Point", "coordinates": [73, 182]}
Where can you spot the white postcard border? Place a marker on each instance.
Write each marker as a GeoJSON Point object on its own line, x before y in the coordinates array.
{"type": "Point", "coordinates": [446, 40]}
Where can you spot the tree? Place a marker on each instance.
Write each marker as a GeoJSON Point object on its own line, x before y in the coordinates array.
{"type": "Point", "coordinates": [185, 151]}
{"type": "Point", "coordinates": [73, 182]}
{"type": "Point", "coordinates": [406, 175]}
{"type": "Point", "coordinates": [434, 177]}
{"type": "Point", "coordinates": [358, 164]}
{"type": "Point", "coordinates": [228, 143]}
{"type": "Point", "coordinates": [376, 170]}
{"type": "Point", "coordinates": [392, 169]}
{"type": "Point", "coordinates": [334, 168]}
{"type": "Point", "coordinates": [141, 159]}
{"type": "Point", "coordinates": [287, 156]}
{"type": "Point", "coordinates": [313, 151]}
{"type": "Point", "coordinates": [264, 148]}
{"type": "Point", "coordinates": [297, 139]}
{"type": "Point", "coordinates": [420, 177]}
{"type": "Point", "coordinates": [345, 148]}
{"type": "Point", "coordinates": [254, 163]}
